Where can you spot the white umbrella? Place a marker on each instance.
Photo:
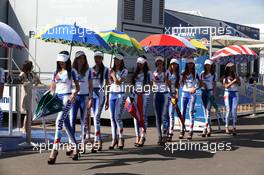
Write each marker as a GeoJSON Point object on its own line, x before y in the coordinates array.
{"type": "Point", "coordinates": [10, 39]}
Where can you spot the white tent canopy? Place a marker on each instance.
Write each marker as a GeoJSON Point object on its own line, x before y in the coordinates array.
{"type": "Point", "coordinates": [226, 40]}
{"type": "Point", "coordinates": [256, 46]}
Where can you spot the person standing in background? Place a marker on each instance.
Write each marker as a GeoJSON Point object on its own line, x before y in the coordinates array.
{"type": "Point", "coordinates": [28, 78]}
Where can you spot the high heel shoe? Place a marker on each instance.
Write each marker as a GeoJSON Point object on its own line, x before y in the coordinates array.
{"type": "Point", "coordinates": [234, 132]}
{"type": "Point", "coordinates": [69, 152]}
{"type": "Point", "coordinates": [141, 142]}
{"type": "Point", "coordinates": [181, 136]}
{"type": "Point", "coordinates": [137, 141]}
{"type": "Point", "coordinates": [97, 146]}
{"type": "Point", "coordinates": [209, 132]}
{"type": "Point", "coordinates": [190, 135]}
{"type": "Point", "coordinates": [204, 133]}
{"type": "Point", "coordinates": [53, 157]}
{"type": "Point", "coordinates": [114, 143]}
{"type": "Point", "coordinates": [227, 131]}
{"type": "Point", "coordinates": [159, 142]}
{"type": "Point", "coordinates": [121, 143]}
{"type": "Point", "coordinates": [169, 138]}
{"type": "Point", "coordinates": [75, 154]}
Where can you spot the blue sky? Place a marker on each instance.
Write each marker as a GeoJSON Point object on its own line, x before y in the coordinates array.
{"type": "Point", "coordinates": [238, 11]}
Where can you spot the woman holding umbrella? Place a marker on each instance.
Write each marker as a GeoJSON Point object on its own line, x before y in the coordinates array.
{"type": "Point", "coordinates": [61, 84]}
{"type": "Point", "coordinates": [189, 85]}
{"type": "Point", "coordinates": [173, 75]}
{"type": "Point", "coordinates": [161, 99]}
{"type": "Point", "coordinates": [208, 84]}
{"type": "Point", "coordinates": [84, 98]}
{"type": "Point", "coordinates": [231, 82]}
{"type": "Point", "coordinates": [141, 80]}
{"type": "Point", "coordinates": [100, 78]}
{"type": "Point", "coordinates": [118, 75]}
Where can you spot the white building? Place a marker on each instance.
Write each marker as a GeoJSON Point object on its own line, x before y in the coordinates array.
{"type": "Point", "coordinates": [28, 17]}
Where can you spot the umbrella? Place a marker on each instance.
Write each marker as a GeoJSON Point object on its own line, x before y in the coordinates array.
{"type": "Point", "coordinates": [234, 53]}
{"type": "Point", "coordinates": [121, 42]}
{"type": "Point", "coordinates": [201, 49]}
{"type": "Point", "coordinates": [9, 38]}
{"type": "Point", "coordinates": [48, 104]}
{"type": "Point", "coordinates": [167, 45]}
{"type": "Point", "coordinates": [135, 110]}
{"type": "Point", "coordinates": [74, 35]}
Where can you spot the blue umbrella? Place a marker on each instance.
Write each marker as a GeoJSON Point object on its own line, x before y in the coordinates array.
{"type": "Point", "coordinates": [74, 35]}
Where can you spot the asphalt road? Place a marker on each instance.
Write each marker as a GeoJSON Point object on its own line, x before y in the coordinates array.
{"type": "Point", "coordinates": [246, 156]}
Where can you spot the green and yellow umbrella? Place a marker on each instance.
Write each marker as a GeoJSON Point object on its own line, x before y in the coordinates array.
{"type": "Point", "coordinates": [201, 49]}
{"type": "Point", "coordinates": [121, 42]}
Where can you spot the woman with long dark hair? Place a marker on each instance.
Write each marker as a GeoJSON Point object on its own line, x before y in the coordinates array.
{"type": "Point", "coordinates": [100, 77]}
{"type": "Point", "coordinates": [118, 75]}
{"type": "Point", "coordinates": [141, 80]}
{"type": "Point", "coordinates": [84, 97]}
{"type": "Point", "coordinates": [160, 100]}
{"type": "Point", "coordinates": [231, 82]}
{"type": "Point", "coordinates": [173, 75]}
{"type": "Point", "coordinates": [208, 84]}
{"type": "Point", "coordinates": [29, 79]}
{"type": "Point", "coordinates": [189, 85]}
{"type": "Point", "coordinates": [62, 85]}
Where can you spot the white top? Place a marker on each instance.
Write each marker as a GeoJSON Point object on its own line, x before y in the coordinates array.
{"type": "Point", "coordinates": [231, 88]}
{"type": "Point", "coordinates": [63, 83]}
{"type": "Point", "coordinates": [96, 77]}
{"type": "Point", "coordinates": [159, 83]}
{"type": "Point", "coordinates": [2, 76]}
{"type": "Point", "coordinates": [139, 81]}
{"type": "Point", "coordinates": [173, 79]}
{"type": "Point", "coordinates": [119, 75]}
{"type": "Point", "coordinates": [190, 82]}
{"type": "Point", "coordinates": [208, 79]}
{"type": "Point", "coordinates": [83, 82]}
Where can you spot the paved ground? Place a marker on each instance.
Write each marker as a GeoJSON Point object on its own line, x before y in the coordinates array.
{"type": "Point", "coordinates": [245, 158]}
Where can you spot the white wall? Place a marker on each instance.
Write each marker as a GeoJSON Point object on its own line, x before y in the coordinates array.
{"type": "Point", "coordinates": [35, 15]}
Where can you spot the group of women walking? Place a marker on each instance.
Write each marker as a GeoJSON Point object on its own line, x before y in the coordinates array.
{"type": "Point", "coordinates": [90, 89]}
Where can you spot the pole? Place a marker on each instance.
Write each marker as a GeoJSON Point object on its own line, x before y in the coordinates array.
{"type": "Point", "coordinates": [10, 120]}
{"type": "Point", "coordinates": [254, 99]}
{"type": "Point", "coordinates": [18, 103]}
{"type": "Point", "coordinates": [45, 131]}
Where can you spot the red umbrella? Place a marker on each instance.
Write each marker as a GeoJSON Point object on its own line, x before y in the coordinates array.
{"type": "Point", "coordinates": [234, 53]}
{"type": "Point", "coordinates": [166, 45]}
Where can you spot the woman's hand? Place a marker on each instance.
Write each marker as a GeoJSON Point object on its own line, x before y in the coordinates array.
{"type": "Point", "coordinates": [90, 103]}
{"type": "Point", "coordinates": [106, 104]}
{"type": "Point", "coordinates": [192, 90]}
{"type": "Point", "coordinates": [72, 98]}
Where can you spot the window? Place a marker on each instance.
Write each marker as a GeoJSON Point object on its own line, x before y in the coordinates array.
{"type": "Point", "coordinates": [147, 11]}
{"type": "Point", "coordinates": [161, 12]}
{"type": "Point", "coordinates": [129, 9]}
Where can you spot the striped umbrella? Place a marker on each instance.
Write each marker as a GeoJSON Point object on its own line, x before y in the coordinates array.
{"type": "Point", "coordinates": [234, 53]}
{"type": "Point", "coordinates": [121, 42]}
